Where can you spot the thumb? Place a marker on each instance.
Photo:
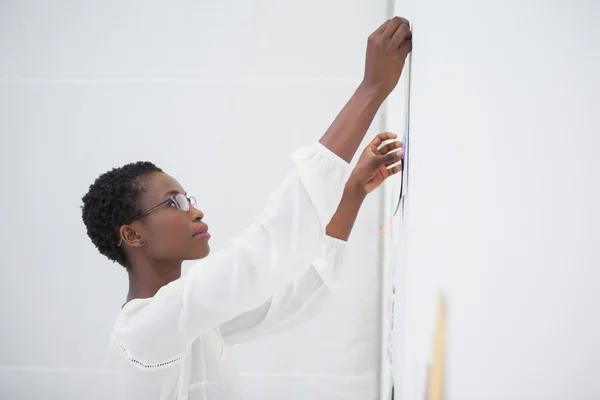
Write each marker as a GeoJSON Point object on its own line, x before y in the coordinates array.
{"type": "Point", "coordinates": [390, 158]}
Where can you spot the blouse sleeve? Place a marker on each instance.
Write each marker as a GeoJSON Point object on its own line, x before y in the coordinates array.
{"type": "Point", "coordinates": [294, 305]}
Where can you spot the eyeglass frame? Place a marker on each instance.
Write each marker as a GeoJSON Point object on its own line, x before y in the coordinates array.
{"type": "Point", "coordinates": [191, 202]}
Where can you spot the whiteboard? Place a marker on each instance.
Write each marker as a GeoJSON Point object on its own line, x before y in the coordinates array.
{"type": "Point", "coordinates": [407, 338]}
{"type": "Point", "coordinates": [394, 243]}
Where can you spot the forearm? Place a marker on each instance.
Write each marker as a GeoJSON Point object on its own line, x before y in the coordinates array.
{"type": "Point", "coordinates": [350, 126]}
{"type": "Point", "coordinates": [342, 222]}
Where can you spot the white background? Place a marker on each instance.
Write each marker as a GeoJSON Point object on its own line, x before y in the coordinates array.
{"type": "Point", "coordinates": [503, 207]}
{"type": "Point", "coordinates": [502, 212]}
{"type": "Point", "coordinates": [217, 94]}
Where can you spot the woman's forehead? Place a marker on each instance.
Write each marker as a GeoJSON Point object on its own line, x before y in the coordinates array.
{"type": "Point", "coordinates": [160, 187]}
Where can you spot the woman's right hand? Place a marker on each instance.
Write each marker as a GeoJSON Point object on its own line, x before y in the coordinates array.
{"type": "Point", "coordinates": [387, 50]}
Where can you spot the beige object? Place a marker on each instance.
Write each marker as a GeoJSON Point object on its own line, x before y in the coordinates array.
{"type": "Point", "coordinates": [435, 386]}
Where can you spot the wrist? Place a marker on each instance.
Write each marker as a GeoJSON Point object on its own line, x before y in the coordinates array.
{"type": "Point", "coordinates": [353, 191]}
{"type": "Point", "coordinates": [372, 93]}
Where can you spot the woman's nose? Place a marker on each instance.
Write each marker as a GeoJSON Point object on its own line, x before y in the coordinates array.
{"type": "Point", "coordinates": [197, 215]}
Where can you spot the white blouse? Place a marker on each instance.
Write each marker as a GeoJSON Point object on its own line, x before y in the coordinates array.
{"type": "Point", "coordinates": [277, 273]}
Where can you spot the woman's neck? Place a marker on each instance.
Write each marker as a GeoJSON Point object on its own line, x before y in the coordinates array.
{"type": "Point", "coordinates": [145, 281]}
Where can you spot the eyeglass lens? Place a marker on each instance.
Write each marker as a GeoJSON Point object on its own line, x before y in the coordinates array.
{"type": "Point", "coordinates": [183, 202]}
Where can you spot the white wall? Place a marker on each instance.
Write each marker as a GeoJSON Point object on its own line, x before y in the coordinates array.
{"type": "Point", "coordinates": [217, 94]}
{"type": "Point", "coordinates": [503, 204]}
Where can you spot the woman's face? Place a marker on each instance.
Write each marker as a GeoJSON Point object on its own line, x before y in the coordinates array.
{"type": "Point", "coordinates": [167, 233]}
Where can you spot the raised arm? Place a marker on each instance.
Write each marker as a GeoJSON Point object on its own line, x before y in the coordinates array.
{"type": "Point", "coordinates": [387, 49]}
{"type": "Point", "coordinates": [304, 299]}
{"type": "Point", "coordinates": [278, 247]}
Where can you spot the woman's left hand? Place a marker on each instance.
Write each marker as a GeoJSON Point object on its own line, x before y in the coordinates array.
{"type": "Point", "coordinates": [373, 164]}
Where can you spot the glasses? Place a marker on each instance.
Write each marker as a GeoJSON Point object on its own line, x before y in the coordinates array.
{"type": "Point", "coordinates": [180, 200]}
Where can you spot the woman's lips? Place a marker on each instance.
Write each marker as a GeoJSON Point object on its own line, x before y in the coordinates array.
{"type": "Point", "coordinates": [202, 232]}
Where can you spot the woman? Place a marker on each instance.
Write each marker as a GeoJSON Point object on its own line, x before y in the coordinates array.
{"type": "Point", "coordinates": [171, 334]}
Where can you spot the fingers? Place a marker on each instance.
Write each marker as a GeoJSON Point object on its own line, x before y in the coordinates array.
{"type": "Point", "coordinates": [389, 147]}
{"type": "Point", "coordinates": [388, 154]}
{"type": "Point", "coordinates": [395, 169]}
{"type": "Point", "coordinates": [391, 25]}
{"type": "Point", "coordinates": [406, 48]}
{"type": "Point", "coordinates": [401, 36]}
{"type": "Point", "coordinates": [388, 159]}
{"type": "Point", "coordinates": [382, 137]}
{"type": "Point", "coordinates": [381, 28]}
{"type": "Point", "coordinates": [397, 32]}
{"type": "Point", "coordinates": [391, 150]}
{"type": "Point", "coordinates": [395, 166]}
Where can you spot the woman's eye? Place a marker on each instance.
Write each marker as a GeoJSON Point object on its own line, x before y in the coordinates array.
{"type": "Point", "coordinates": [172, 203]}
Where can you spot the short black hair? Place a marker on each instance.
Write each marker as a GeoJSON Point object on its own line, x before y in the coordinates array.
{"type": "Point", "coordinates": [113, 201]}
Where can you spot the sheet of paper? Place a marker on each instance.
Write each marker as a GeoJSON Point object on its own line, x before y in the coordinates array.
{"type": "Point", "coordinates": [405, 140]}
{"type": "Point", "coordinates": [394, 243]}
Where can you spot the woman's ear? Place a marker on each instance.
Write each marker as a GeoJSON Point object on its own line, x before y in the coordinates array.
{"type": "Point", "coordinates": [130, 237]}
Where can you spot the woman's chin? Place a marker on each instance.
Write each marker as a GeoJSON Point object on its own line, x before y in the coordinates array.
{"type": "Point", "coordinates": [200, 253]}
